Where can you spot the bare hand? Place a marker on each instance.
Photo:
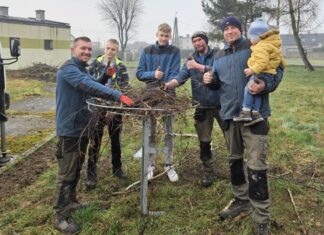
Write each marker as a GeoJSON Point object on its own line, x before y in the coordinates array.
{"type": "Point", "coordinates": [248, 71]}
{"type": "Point", "coordinates": [207, 78]}
{"type": "Point", "coordinates": [256, 86]}
{"type": "Point", "coordinates": [158, 74]}
{"type": "Point", "coordinates": [171, 84]}
{"type": "Point", "coordinates": [192, 64]}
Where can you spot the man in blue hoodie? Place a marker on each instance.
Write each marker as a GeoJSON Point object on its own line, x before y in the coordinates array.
{"type": "Point", "coordinates": [74, 85]}
{"type": "Point", "coordinates": [200, 61]}
{"type": "Point", "coordinates": [158, 64]}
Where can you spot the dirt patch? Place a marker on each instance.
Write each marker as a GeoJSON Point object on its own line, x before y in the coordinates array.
{"type": "Point", "coordinates": [26, 171]}
{"type": "Point", "coordinates": [37, 71]}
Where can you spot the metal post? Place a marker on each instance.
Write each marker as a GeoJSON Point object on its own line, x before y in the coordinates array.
{"type": "Point", "coordinates": [145, 157]}
{"type": "Point", "coordinates": [3, 158]}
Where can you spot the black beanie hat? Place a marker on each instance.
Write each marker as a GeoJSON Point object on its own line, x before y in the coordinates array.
{"type": "Point", "coordinates": [200, 34]}
{"type": "Point", "coordinates": [231, 20]}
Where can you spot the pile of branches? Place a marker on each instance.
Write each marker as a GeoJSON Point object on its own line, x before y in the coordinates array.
{"type": "Point", "coordinates": [39, 71]}
{"type": "Point", "coordinates": [154, 101]}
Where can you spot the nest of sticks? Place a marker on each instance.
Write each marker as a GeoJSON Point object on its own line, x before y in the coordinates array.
{"type": "Point", "coordinates": [154, 101]}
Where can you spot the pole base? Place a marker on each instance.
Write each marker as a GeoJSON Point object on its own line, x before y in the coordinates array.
{"type": "Point", "coordinates": [4, 160]}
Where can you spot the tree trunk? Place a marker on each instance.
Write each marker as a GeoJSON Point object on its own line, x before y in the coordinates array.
{"type": "Point", "coordinates": [300, 47]}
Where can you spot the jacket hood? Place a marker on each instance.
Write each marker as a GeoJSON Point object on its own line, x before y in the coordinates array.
{"type": "Point", "coordinates": [272, 36]}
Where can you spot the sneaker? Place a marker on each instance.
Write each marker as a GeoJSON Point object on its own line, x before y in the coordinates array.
{"type": "Point", "coordinates": [262, 229]}
{"type": "Point", "coordinates": [245, 116]}
{"type": "Point", "coordinates": [139, 153]}
{"type": "Point", "coordinates": [172, 174]}
{"type": "Point", "coordinates": [256, 117]}
{"type": "Point", "coordinates": [67, 225]}
{"type": "Point", "coordinates": [235, 208]}
{"type": "Point", "coordinates": [119, 173]}
{"type": "Point", "coordinates": [150, 172]}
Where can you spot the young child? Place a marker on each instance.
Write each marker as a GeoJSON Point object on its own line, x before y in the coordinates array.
{"type": "Point", "coordinates": [158, 63]}
{"type": "Point", "coordinates": [118, 79]}
{"type": "Point", "coordinates": [265, 58]}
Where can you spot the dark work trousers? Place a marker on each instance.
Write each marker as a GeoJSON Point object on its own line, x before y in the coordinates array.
{"type": "Point", "coordinates": [96, 128]}
{"type": "Point", "coordinates": [70, 155]}
{"type": "Point", "coordinates": [254, 144]}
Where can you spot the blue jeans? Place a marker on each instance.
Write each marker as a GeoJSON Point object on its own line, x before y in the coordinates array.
{"type": "Point", "coordinates": [253, 102]}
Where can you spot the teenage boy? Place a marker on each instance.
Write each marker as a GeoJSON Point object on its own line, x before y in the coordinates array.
{"type": "Point", "coordinates": [158, 64]}
{"type": "Point", "coordinates": [118, 80]}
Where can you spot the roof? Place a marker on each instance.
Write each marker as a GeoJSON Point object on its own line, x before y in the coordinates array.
{"type": "Point", "coordinates": [33, 21]}
{"type": "Point", "coordinates": [311, 39]}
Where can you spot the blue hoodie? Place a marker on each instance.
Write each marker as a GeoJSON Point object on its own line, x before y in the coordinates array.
{"type": "Point", "coordinates": [166, 57]}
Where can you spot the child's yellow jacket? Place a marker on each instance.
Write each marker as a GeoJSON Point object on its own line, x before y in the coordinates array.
{"type": "Point", "coordinates": [266, 54]}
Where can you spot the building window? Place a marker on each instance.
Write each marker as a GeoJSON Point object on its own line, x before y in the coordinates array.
{"type": "Point", "coordinates": [48, 44]}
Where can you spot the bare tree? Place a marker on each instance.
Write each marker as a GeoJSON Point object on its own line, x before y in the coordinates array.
{"type": "Point", "coordinates": [122, 15]}
{"type": "Point", "coordinates": [301, 12]}
{"type": "Point", "coordinates": [300, 16]}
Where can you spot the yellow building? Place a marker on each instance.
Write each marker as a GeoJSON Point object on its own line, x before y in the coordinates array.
{"type": "Point", "coordinates": [41, 40]}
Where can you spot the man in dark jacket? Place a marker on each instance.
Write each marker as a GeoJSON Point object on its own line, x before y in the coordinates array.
{"type": "Point", "coordinates": [74, 84]}
{"type": "Point", "coordinates": [228, 76]}
{"type": "Point", "coordinates": [207, 100]}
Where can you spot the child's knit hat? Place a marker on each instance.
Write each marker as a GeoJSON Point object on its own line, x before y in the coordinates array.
{"type": "Point", "coordinates": [257, 28]}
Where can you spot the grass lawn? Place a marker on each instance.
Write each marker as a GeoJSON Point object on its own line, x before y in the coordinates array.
{"type": "Point", "coordinates": [296, 162]}
{"type": "Point", "coordinates": [298, 61]}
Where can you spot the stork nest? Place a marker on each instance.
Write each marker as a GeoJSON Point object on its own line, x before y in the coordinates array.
{"type": "Point", "coordinates": [149, 100]}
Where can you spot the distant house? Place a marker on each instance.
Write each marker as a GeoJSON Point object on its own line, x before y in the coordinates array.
{"type": "Point", "coordinates": [310, 42]}
{"type": "Point", "coordinates": [133, 50]}
{"type": "Point", "coordinates": [41, 40]}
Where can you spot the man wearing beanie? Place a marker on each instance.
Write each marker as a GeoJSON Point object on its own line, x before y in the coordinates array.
{"type": "Point", "coordinates": [200, 61]}
{"type": "Point", "coordinates": [228, 77]}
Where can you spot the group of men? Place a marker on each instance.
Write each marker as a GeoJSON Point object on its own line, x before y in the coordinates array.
{"type": "Point", "coordinates": [217, 82]}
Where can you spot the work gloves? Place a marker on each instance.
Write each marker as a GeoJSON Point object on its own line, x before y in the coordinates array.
{"type": "Point", "coordinates": [110, 71]}
{"type": "Point", "coordinates": [126, 100]}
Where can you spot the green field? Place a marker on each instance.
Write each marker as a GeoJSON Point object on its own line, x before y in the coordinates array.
{"type": "Point", "coordinates": [296, 162]}
{"type": "Point", "coordinates": [298, 61]}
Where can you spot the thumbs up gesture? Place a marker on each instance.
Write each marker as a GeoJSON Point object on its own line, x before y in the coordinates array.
{"type": "Point", "coordinates": [158, 74]}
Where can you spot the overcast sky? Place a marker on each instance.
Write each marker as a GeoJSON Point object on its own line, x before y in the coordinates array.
{"type": "Point", "coordinates": [85, 19]}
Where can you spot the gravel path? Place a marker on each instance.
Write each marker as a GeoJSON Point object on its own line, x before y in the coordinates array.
{"type": "Point", "coordinates": [29, 124]}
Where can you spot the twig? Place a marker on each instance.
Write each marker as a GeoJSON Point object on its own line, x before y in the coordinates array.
{"type": "Point", "coordinates": [279, 176]}
{"type": "Point", "coordinates": [139, 181]}
{"type": "Point", "coordinates": [314, 173]}
{"type": "Point", "coordinates": [190, 204]}
{"type": "Point", "coordinates": [303, 228]}
{"type": "Point", "coordinates": [122, 192]}
{"type": "Point", "coordinates": [184, 135]}
{"type": "Point", "coordinates": [157, 176]}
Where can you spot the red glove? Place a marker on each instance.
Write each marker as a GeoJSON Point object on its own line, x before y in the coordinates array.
{"type": "Point", "coordinates": [126, 100]}
{"type": "Point", "coordinates": [110, 71]}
